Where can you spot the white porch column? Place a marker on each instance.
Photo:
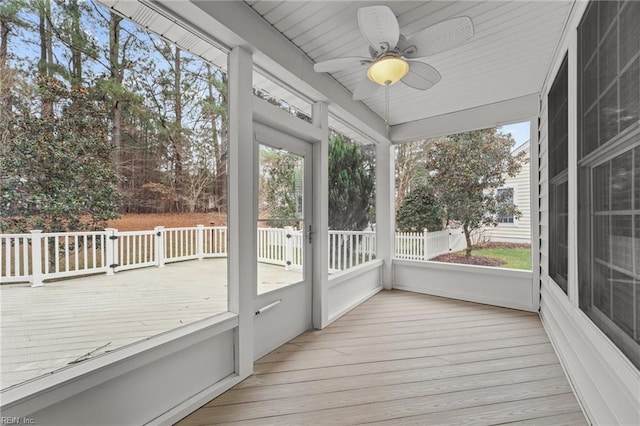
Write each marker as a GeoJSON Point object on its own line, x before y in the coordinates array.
{"type": "Point", "coordinates": [385, 211]}
{"type": "Point", "coordinates": [242, 251]}
{"type": "Point", "coordinates": [321, 217]}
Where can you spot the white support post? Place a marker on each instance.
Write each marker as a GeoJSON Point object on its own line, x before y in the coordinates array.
{"type": "Point", "coordinates": [242, 217]}
{"type": "Point", "coordinates": [425, 247]}
{"type": "Point", "coordinates": [572, 170]}
{"type": "Point", "coordinates": [200, 241]}
{"type": "Point", "coordinates": [288, 247]}
{"type": "Point", "coordinates": [159, 245]}
{"type": "Point", "coordinates": [111, 248]}
{"type": "Point", "coordinates": [36, 258]}
{"type": "Point", "coordinates": [320, 245]}
{"type": "Point", "coordinates": [385, 213]}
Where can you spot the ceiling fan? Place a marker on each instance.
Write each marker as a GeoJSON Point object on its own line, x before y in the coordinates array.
{"type": "Point", "coordinates": [392, 54]}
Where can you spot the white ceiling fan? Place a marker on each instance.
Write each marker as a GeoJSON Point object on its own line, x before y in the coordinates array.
{"type": "Point", "coordinates": [392, 54]}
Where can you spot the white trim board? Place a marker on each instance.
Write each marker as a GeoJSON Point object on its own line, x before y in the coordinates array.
{"type": "Point", "coordinates": [351, 287]}
{"type": "Point", "coordinates": [508, 288]}
{"type": "Point", "coordinates": [481, 117]}
{"type": "Point", "coordinates": [277, 118]}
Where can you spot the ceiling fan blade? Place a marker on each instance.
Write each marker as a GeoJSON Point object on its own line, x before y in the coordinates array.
{"type": "Point", "coordinates": [365, 89]}
{"type": "Point", "coordinates": [339, 64]}
{"type": "Point", "coordinates": [440, 37]}
{"type": "Point", "coordinates": [421, 76]}
{"type": "Point", "coordinates": [379, 26]}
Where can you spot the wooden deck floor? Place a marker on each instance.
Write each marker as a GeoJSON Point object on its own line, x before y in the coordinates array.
{"type": "Point", "coordinates": [404, 358]}
{"type": "Point", "coordinates": [44, 329]}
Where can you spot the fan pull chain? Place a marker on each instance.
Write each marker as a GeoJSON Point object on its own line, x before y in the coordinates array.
{"type": "Point", "coordinates": [386, 105]}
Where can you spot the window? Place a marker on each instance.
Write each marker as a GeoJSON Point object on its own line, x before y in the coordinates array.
{"type": "Point", "coordinates": [505, 197]}
{"type": "Point", "coordinates": [609, 171]}
{"type": "Point", "coordinates": [558, 177]}
{"type": "Point", "coordinates": [352, 171]}
{"type": "Point", "coordinates": [116, 159]}
{"type": "Point", "coordinates": [447, 211]}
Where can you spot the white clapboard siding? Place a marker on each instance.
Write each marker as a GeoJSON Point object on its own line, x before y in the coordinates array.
{"type": "Point", "coordinates": [520, 231]}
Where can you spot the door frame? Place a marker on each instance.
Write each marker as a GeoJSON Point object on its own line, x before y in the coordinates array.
{"type": "Point", "coordinates": [284, 313]}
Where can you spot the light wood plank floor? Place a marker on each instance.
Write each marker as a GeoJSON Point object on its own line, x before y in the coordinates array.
{"type": "Point", "coordinates": [405, 358]}
{"type": "Point", "coordinates": [44, 329]}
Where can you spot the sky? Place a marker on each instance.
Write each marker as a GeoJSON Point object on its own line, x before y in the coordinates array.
{"type": "Point", "coordinates": [519, 131]}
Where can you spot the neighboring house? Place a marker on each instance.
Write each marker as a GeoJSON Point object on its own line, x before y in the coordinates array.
{"type": "Point", "coordinates": [511, 229]}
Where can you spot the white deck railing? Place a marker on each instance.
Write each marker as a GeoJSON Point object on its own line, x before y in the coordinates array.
{"type": "Point", "coordinates": [350, 248]}
{"type": "Point", "coordinates": [38, 256]}
{"type": "Point", "coordinates": [427, 245]}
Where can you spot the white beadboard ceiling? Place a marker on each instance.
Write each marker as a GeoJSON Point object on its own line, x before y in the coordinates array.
{"type": "Point", "coordinates": [507, 58]}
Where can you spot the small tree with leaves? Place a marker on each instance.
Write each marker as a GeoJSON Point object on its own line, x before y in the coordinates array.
{"type": "Point", "coordinates": [465, 170]}
{"type": "Point", "coordinates": [351, 184]}
{"type": "Point", "coordinates": [419, 211]}
{"type": "Point", "coordinates": [280, 185]}
{"type": "Point", "coordinates": [57, 173]}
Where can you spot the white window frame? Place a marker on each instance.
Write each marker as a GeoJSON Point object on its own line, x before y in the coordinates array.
{"type": "Point", "coordinates": [514, 202]}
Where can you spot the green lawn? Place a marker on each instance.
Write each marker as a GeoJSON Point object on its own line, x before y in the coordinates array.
{"type": "Point", "coordinates": [515, 258]}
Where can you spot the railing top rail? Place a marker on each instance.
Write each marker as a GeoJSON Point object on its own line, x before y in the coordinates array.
{"type": "Point", "coordinates": [194, 228]}
{"type": "Point", "coordinates": [14, 235]}
{"type": "Point", "coordinates": [182, 228]}
{"type": "Point", "coordinates": [131, 233]}
{"type": "Point", "coordinates": [352, 232]}
{"type": "Point", "coordinates": [72, 234]}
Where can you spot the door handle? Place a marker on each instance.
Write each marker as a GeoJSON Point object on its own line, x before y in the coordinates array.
{"type": "Point", "coordinates": [309, 233]}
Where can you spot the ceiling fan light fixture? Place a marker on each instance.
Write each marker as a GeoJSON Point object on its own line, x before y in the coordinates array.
{"type": "Point", "coordinates": [388, 70]}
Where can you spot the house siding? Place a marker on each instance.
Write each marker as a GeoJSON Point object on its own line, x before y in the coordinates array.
{"type": "Point", "coordinates": [520, 231]}
{"type": "Point", "coordinates": [605, 381]}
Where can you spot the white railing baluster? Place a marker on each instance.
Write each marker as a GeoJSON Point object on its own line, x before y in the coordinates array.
{"type": "Point", "coordinates": [7, 256]}
{"type": "Point", "coordinates": [56, 254]}
{"type": "Point", "coordinates": [85, 251]}
{"type": "Point", "coordinates": [25, 261]}
{"type": "Point", "coordinates": [16, 256]}
{"type": "Point", "coordinates": [94, 250]}
{"type": "Point", "coordinates": [137, 241]}
{"type": "Point", "coordinates": [125, 253]}
{"type": "Point", "coordinates": [75, 252]}
{"type": "Point", "coordinates": [66, 253]}
{"type": "Point", "coordinates": [36, 258]}
{"type": "Point", "coordinates": [200, 242]}
{"type": "Point", "coordinates": [46, 255]}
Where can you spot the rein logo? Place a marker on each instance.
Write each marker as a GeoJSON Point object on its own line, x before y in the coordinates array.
{"type": "Point", "coordinates": [13, 420]}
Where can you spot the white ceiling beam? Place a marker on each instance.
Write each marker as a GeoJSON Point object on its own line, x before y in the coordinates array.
{"type": "Point", "coordinates": [495, 114]}
{"type": "Point", "coordinates": [236, 24]}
